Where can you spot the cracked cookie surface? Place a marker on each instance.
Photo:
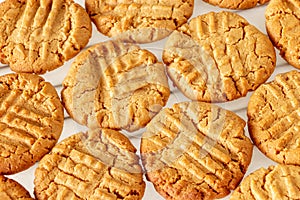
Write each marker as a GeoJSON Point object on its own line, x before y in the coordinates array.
{"type": "Point", "coordinates": [81, 83]}
{"type": "Point", "coordinates": [37, 36]}
{"type": "Point", "coordinates": [282, 23]}
{"type": "Point", "coordinates": [273, 118]}
{"type": "Point", "coordinates": [218, 57]}
{"type": "Point", "coordinates": [115, 85]}
{"type": "Point", "coordinates": [31, 120]}
{"type": "Point", "coordinates": [195, 150]}
{"type": "Point", "coordinates": [236, 4]}
{"type": "Point", "coordinates": [12, 190]}
{"type": "Point", "coordinates": [275, 182]}
{"type": "Point", "coordinates": [139, 21]}
{"type": "Point", "coordinates": [100, 164]}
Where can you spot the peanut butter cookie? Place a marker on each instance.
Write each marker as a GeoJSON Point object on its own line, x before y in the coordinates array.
{"type": "Point", "coordinates": [218, 57]}
{"type": "Point", "coordinates": [236, 4]}
{"type": "Point", "coordinates": [275, 182]}
{"type": "Point", "coordinates": [139, 21]}
{"type": "Point", "coordinates": [40, 35]}
{"type": "Point", "coordinates": [274, 120]}
{"type": "Point", "coordinates": [31, 120]}
{"type": "Point", "coordinates": [282, 23]}
{"type": "Point", "coordinates": [115, 85]}
{"type": "Point", "coordinates": [195, 150]}
{"type": "Point", "coordinates": [101, 164]}
{"type": "Point", "coordinates": [12, 190]}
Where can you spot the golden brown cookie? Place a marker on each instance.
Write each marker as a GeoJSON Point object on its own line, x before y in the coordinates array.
{"type": "Point", "coordinates": [31, 120]}
{"type": "Point", "coordinates": [236, 4]}
{"type": "Point", "coordinates": [139, 21]}
{"type": "Point", "coordinates": [282, 23]}
{"type": "Point", "coordinates": [115, 85]}
{"type": "Point", "coordinates": [218, 57]}
{"type": "Point", "coordinates": [195, 150]}
{"type": "Point", "coordinates": [40, 35]}
{"type": "Point", "coordinates": [274, 120]}
{"type": "Point", "coordinates": [81, 83]}
{"type": "Point", "coordinates": [275, 182]}
{"type": "Point", "coordinates": [12, 190]}
{"type": "Point", "coordinates": [97, 165]}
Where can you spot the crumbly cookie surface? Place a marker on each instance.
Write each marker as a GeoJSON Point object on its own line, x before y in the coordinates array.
{"type": "Point", "coordinates": [275, 182]}
{"type": "Point", "coordinates": [31, 120]}
{"type": "Point", "coordinates": [98, 165]}
{"type": "Point", "coordinates": [282, 22]}
{"type": "Point", "coordinates": [12, 190]}
{"type": "Point", "coordinates": [139, 21]}
{"type": "Point", "coordinates": [273, 118]}
{"type": "Point", "coordinates": [218, 57]}
{"type": "Point", "coordinates": [115, 85]}
{"type": "Point", "coordinates": [195, 150]}
{"type": "Point", "coordinates": [81, 83]}
{"type": "Point", "coordinates": [39, 36]}
{"type": "Point", "coordinates": [236, 4]}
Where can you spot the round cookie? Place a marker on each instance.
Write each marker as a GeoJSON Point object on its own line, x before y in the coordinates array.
{"type": "Point", "coordinates": [275, 182]}
{"type": "Point", "coordinates": [282, 23]}
{"type": "Point", "coordinates": [37, 36]}
{"type": "Point", "coordinates": [115, 85]}
{"type": "Point", "coordinates": [273, 118]}
{"type": "Point", "coordinates": [195, 150]}
{"type": "Point", "coordinates": [236, 4]}
{"type": "Point", "coordinates": [101, 164]}
{"type": "Point", "coordinates": [218, 57]}
{"type": "Point", "coordinates": [31, 120]}
{"type": "Point", "coordinates": [12, 190]}
{"type": "Point", "coordinates": [139, 21]}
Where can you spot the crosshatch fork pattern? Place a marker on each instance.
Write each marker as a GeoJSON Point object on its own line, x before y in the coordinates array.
{"type": "Point", "coordinates": [31, 120]}
{"type": "Point", "coordinates": [255, 16]}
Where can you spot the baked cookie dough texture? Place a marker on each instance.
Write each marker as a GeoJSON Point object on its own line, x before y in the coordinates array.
{"type": "Point", "coordinates": [115, 85]}
{"type": "Point", "coordinates": [12, 190]}
{"type": "Point", "coordinates": [37, 36]}
{"type": "Point", "coordinates": [275, 182]}
{"type": "Point", "coordinates": [218, 57]}
{"type": "Point", "coordinates": [95, 165]}
{"type": "Point", "coordinates": [283, 27]}
{"type": "Point", "coordinates": [31, 120]}
{"type": "Point", "coordinates": [236, 4]}
{"type": "Point", "coordinates": [195, 150]}
{"type": "Point", "coordinates": [273, 118]}
{"type": "Point", "coordinates": [139, 21]}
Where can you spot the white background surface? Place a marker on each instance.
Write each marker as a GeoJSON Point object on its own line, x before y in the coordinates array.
{"type": "Point", "coordinates": [255, 16]}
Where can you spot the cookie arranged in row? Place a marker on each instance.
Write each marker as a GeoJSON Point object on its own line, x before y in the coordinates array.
{"type": "Point", "coordinates": [273, 118]}
{"type": "Point", "coordinates": [195, 150]}
{"type": "Point", "coordinates": [282, 23]}
{"type": "Point", "coordinates": [115, 85]}
{"type": "Point", "coordinates": [239, 59]}
{"type": "Point", "coordinates": [31, 120]}
{"type": "Point", "coordinates": [139, 21]}
{"type": "Point", "coordinates": [275, 182]}
{"type": "Point", "coordinates": [39, 36]}
{"type": "Point", "coordinates": [100, 164]}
